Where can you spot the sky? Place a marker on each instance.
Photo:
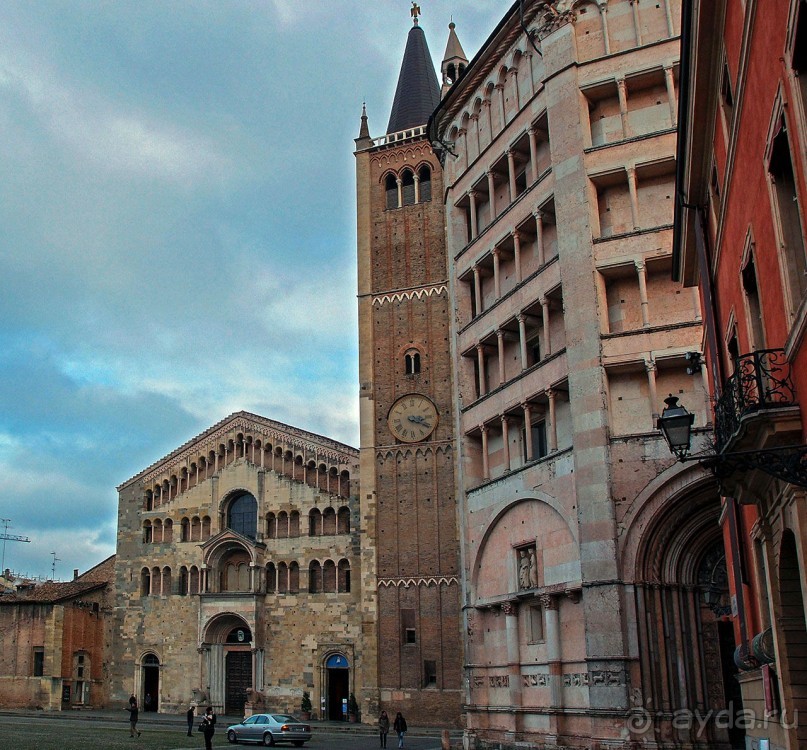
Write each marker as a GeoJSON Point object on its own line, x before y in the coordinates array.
{"type": "Point", "coordinates": [178, 234]}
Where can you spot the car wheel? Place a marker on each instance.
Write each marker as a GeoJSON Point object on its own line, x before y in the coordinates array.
{"type": "Point", "coordinates": [268, 740]}
{"type": "Point", "coordinates": [231, 737]}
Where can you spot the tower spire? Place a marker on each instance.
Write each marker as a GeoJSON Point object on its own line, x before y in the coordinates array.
{"type": "Point", "coordinates": [364, 139]}
{"type": "Point", "coordinates": [418, 93]}
{"type": "Point", "coordinates": [454, 60]}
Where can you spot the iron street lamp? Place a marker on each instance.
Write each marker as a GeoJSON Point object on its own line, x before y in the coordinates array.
{"type": "Point", "coordinates": [787, 462]}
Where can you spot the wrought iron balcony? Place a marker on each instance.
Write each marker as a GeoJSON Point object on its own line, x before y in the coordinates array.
{"type": "Point", "coordinates": [761, 381]}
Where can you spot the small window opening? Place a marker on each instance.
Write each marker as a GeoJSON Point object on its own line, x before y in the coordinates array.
{"type": "Point", "coordinates": [391, 187]}
{"type": "Point", "coordinates": [429, 673]}
{"type": "Point", "coordinates": [412, 362]}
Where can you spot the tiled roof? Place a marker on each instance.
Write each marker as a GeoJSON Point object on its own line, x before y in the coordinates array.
{"type": "Point", "coordinates": [418, 92]}
{"type": "Point", "coordinates": [54, 592]}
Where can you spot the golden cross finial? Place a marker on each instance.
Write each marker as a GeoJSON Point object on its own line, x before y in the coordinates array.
{"type": "Point", "coordinates": [415, 12]}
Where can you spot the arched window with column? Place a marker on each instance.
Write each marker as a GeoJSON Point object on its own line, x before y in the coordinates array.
{"type": "Point", "coordinates": [343, 576]}
{"type": "Point", "coordinates": [408, 183]}
{"type": "Point", "coordinates": [314, 577]}
{"type": "Point", "coordinates": [391, 191]}
{"type": "Point", "coordinates": [425, 187]}
{"type": "Point", "coordinates": [242, 515]}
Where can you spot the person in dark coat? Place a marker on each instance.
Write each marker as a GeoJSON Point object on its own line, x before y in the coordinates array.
{"type": "Point", "coordinates": [400, 728]}
{"type": "Point", "coordinates": [383, 727]}
{"type": "Point", "coordinates": [209, 727]}
{"type": "Point", "coordinates": [133, 714]}
{"type": "Point", "coordinates": [191, 713]}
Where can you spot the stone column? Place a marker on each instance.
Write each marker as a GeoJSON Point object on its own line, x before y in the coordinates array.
{"type": "Point", "coordinates": [552, 437]}
{"type": "Point", "coordinates": [528, 430]}
{"type": "Point", "coordinates": [416, 179]}
{"type": "Point", "coordinates": [546, 341]}
{"type": "Point", "coordinates": [511, 174]}
{"type": "Point", "coordinates": [513, 652]}
{"type": "Point", "coordinates": [480, 358]}
{"type": "Point", "coordinates": [472, 199]}
{"type": "Point", "coordinates": [500, 347]}
{"type": "Point", "coordinates": [522, 340]}
{"type": "Point", "coordinates": [637, 29]}
{"type": "Point", "coordinates": [553, 652]}
{"type": "Point", "coordinates": [623, 107]}
{"type": "Point", "coordinates": [533, 153]}
{"type": "Point", "coordinates": [517, 254]}
{"type": "Point", "coordinates": [532, 74]}
{"type": "Point", "coordinates": [634, 196]}
{"type": "Point", "coordinates": [399, 182]}
{"type": "Point", "coordinates": [485, 459]}
{"type": "Point", "coordinates": [477, 290]}
{"type": "Point", "coordinates": [539, 237]}
{"type": "Point", "coordinates": [497, 283]}
{"type": "Point", "coordinates": [641, 272]}
{"type": "Point", "coordinates": [486, 105]}
{"type": "Point", "coordinates": [604, 18]}
{"type": "Point", "coordinates": [670, 82]}
{"type": "Point", "coordinates": [492, 193]}
{"type": "Point", "coordinates": [513, 75]}
{"type": "Point", "coordinates": [506, 442]}
{"type": "Point", "coordinates": [257, 668]}
{"type": "Point", "coordinates": [475, 121]}
{"type": "Point", "coordinates": [669, 15]}
{"type": "Point", "coordinates": [650, 366]}
{"type": "Point", "coordinates": [216, 675]}
{"type": "Point", "coordinates": [500, 88]}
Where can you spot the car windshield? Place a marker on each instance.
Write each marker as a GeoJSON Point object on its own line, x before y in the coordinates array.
{"type": "Point", "coordinates": [283, 718]}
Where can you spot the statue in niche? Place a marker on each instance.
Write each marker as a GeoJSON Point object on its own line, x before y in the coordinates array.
{"type": "Point", "coordinates": [533, 573]}
{"type": "Point", "coordinates": [524, 569]}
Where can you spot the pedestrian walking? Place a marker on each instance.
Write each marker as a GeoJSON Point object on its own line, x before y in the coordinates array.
{"type": "Point", "coordinates": [208, 727]}
{"type": "Point", "coordinates": [191, 713]}
{"type": "Point", "coordinates": [134, 711]}
{"type": "Point", "coordinates": [400, 728]}
{"type": "Point", "coordinates": [383, 727]}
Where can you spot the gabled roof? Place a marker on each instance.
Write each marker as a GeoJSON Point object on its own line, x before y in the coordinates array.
{"type": "Point", "coordinates": [418, 92]}
{"type": "Point", "coordinates": [54, 592]}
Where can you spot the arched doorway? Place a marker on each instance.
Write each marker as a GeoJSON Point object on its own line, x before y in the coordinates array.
{"type": "Point", "coordinates": [689, 695]}
{"type": "Point", "coordinates": [337, 675]}
{"type": "Point", "coordinates": [793, 640]}
{"type": "Point", "coordinates": [150, 680]}
{"type": "Point", "coordinates": [228, 645]}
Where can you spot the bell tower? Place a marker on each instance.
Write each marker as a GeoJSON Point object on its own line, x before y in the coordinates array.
{"type": "Point", "coordinates": [411, 563]}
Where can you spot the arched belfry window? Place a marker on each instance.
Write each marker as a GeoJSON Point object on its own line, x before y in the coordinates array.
{"type": "Point", "coordinates": [425, 176]}
{"type": "Point", "coordinates": [391, 187]}
{"type": "Point", "coordinates": [412, 362]}
{"type": "Point", "coordinates": [242, 515]}
{"type": "Point", "coordinates": [408, 180]}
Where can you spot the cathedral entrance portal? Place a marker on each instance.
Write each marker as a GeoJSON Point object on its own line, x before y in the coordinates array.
{"type": "Point", "coordinates": [337, 672]}
{"type": "Point", "coordinates": [237, 670]}
{"type": "Point", "coordinates": [150, 679]}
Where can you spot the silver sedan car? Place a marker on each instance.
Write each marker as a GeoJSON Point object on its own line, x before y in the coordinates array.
{"type": "Point", "coordinates": [270, 729]}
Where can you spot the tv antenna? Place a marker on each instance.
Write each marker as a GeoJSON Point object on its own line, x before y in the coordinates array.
{"type": "Point", "coordinates": [53, 566]}
{"type": "Point", "coordinates": [6, 537]}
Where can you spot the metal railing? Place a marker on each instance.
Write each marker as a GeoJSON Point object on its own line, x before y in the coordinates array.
{"type": "Point", "coordinates": [761, 380]}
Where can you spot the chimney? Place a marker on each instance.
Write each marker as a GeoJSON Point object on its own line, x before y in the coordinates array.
{"type": "Point", "coordinates": [75, 574]}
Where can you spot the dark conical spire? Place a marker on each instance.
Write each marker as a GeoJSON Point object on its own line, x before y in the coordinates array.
{"type": "Point", "coordinates": [364, 139]}
{"type": "Point", "coordinates": [418, 92]}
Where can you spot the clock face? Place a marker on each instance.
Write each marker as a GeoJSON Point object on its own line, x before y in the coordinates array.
{"type": "Point", "coordinates": [412, 418]}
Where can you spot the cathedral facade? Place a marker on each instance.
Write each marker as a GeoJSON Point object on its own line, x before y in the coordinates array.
{"type": "Point", "coordinates": [238, 575]}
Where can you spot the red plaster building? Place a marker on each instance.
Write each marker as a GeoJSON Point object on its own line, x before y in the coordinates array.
{"type": "Point", "coordinates": [740, 235]}
{"type": "Point", "coordinates": [52, 642]}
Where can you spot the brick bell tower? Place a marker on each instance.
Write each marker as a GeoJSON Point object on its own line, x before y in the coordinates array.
{"type": "Point", "coordinates": [411, 560]}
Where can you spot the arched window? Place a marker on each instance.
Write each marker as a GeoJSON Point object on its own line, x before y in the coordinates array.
{"type": "Point", "coordinates": [194, 586]}
{"type": "Point", "coordinates": [242, 516]}
{"type": "Point", "coordinates": [314, 577]}
{"type": "Point", "coordinates": [412, 362]}
{"type": "Point", "coordinates": [166, 581]}
{"type": "Point", "coordinates": [343, 520]}
{"type": "Point", "coordinates": [294, 578]}
{"type": "Point", "coordinates": [314, 522]}
{"type": "Point", "coordinates": [408, 180]}
{"type": "Point", "coordinates": [271, 526]}
{"type": "Point", "coordinates": [294, 524]}
{"type": "Point", "coordinates": [168, 530]}
{"type": "Point", "coordinates": [282, 578]}
{"type": "Point", "coordinates": [145, 582]}
{"type": "Point", "coordinates": [282, 525]}
{"type": "Point", "coordinates": [147, 532]}
{"type": "Point", "coordinates": [343, 582]}
{"type": "Point", "coordinates": [183, 581]}
{"type": "Point", "coordinates": [391, 188]}
{"type": "Point", "coordinates": [196, 529]}
{"type": "Point", "coordinates": [186, 530]}
{"type": "Point", "coordinates": [206, 527]}
{"type": "Point", "coordinates": [156, 582]}
{"type": "Point", "coordinates": [329, 576]}
{"type": "Point", "coordinates": [240, 634]}
{"type": "Point", "coordinates": [425, 175]}
{"type": "Point", "coordinates": [271, 578]}
{"type": "Point", "coordinates": [329, 522]}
